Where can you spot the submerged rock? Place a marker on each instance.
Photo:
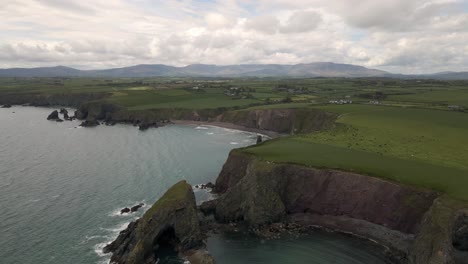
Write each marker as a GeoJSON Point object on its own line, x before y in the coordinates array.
{"type": "Point", "coordinates": [209, 185]}
{"type": "Point", "coordinates": [172, 221]}
{"type": "Point", "coordinates": [53, 116]}
{"type": "Point", "coordinates": [6, 106]}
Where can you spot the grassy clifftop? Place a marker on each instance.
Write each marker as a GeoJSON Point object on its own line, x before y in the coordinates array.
{"type": "Point", "coordinates": [413, 146]}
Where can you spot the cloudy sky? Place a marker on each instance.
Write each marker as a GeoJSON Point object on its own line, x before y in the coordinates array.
{"type": "Point", "coordinates": [407, 36]}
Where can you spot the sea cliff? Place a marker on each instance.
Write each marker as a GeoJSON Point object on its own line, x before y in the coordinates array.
{"type": "Point", "coordinates": [415, 224]}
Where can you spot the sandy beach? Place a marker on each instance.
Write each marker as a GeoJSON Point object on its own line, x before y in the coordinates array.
{"type": "Point", "coordinates": [268, 133]}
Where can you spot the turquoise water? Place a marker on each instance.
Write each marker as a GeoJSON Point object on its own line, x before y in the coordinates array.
{"type": "Point", "coordinates": [61, 188]}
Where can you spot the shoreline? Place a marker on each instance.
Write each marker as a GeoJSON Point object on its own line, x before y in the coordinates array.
{"type": "Point", "coordinates": [227, 125]}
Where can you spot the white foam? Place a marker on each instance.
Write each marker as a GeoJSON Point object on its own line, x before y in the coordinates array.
{"type": "Point", "coordinates": [234, 143]}
{"type": "Point", "coordinates": [202, 127]}
{"type": "Point", "coordinates": [210, 133]}
{"type": "Point", "coordinates": [99, 247]}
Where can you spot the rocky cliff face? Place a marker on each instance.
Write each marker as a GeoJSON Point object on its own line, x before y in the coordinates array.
{"type": "Point", "coordinates": [172, 220]}
{"type": "Point", "coordinates": [421, 226]}
{"type": "Point", "coordinates": [260, 192]}
{"type": "Point", "coordinates": [285, 121]}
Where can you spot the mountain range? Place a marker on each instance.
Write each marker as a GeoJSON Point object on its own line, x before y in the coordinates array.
{"type": "Point", "coordinates": [317, 69]}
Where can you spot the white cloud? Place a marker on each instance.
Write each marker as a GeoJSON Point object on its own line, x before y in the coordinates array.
{"type": "Point", "coordinates": [409, 36]}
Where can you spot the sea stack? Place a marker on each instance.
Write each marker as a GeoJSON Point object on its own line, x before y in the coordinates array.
{"type": "Point", "coordinates": [172, 221]}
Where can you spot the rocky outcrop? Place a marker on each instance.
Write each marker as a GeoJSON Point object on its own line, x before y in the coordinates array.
{"type": "Point", "coordinates": [172, 220]}
{"type": "Point", "coordinates": [136, 207]}
{"type": "Point", "coordinates": [53, 116]}
{"type": "Point", "coordinates": [6, 106]}
{"type": "Point", "coordinates": [442, 235]}
{"type": "Point", "coordinates": [89, 123]}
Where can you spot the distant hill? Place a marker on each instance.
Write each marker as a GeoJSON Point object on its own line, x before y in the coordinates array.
{"type": "Point", "coordinates": [449, 76]}
{"type": "Point", "coordinates": [316, 69]}
{"type": "Point", "coordinates": [319, 69]}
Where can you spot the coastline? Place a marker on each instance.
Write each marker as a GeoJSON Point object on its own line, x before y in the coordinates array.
{"type": "Point", "coordinates": [227, 125]}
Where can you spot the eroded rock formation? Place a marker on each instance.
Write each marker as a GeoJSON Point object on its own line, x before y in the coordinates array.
{"type": "Point", "coordinates": [171, 221]}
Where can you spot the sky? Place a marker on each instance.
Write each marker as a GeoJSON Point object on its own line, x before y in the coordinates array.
{"type": "Point", "coordinates": [400, 36]}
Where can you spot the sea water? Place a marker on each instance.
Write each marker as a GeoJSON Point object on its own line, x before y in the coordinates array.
{"type": "Point", "coordinates": [62, 187]}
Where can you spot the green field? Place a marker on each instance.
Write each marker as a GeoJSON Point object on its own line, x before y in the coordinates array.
{"type": "Point", "coordinates": [414, 146]}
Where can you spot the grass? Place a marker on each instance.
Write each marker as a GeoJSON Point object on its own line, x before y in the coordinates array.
{"type": "Point", "coordinates": [177, 193]}
{"type": "Point", "coordinates": [450, 180]}
{"type": "Point", "coordinates": [420, 147]}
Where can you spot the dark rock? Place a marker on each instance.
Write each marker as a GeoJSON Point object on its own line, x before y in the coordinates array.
{"type": "Point", "coordinates": [65, 116]}
{"type": "Point", "coordinates": [59, 120]}
{"type": "Point", "coordinates": [208, 207]}
{"type": "Point", "coordinates": [6, 106]}
{"type": "Point", "coordinates": [63, 111]}
{"type": "Point", "coordinates": [89, 123]}
{"type": "Point", "coordinates": [209, 185]}
{"type": "Point", "coordinates": [81, 114]}
{"type": "Point", "coordinates": [125, 210]}
{"type": "Point", "coordinates": [144, 126]}
{"type": "Point", "coordinates": [460, 233]}
{"type": "Point", "coordinates": [172, 220]}
{"type": "Point", "coordinates": [259, 139]}
{"type": "Point", "coordinates": [136, 207]}
{"type": "Point", "coordinates": [53, 116]}
{"type": "Point", "coordinates": [124, 235]}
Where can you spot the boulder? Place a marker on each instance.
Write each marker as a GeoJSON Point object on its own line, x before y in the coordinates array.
{"type": "Point", "coordinates": [65, 116]}
{"type": "Point", "coordinates": [136, 207]}
{"type": "Point", "coordinates": [173, 218]}
{"type": "Point", "coordinates": [6, 106]}
{"type": "Point", "coordinates": [259, 139]}
{"type": "Point", "coordinates": [63, 111]}
{"type": "Point", "coordinates": [125, 210]}
{"type": "Point", "coordinates": [53, 116]}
